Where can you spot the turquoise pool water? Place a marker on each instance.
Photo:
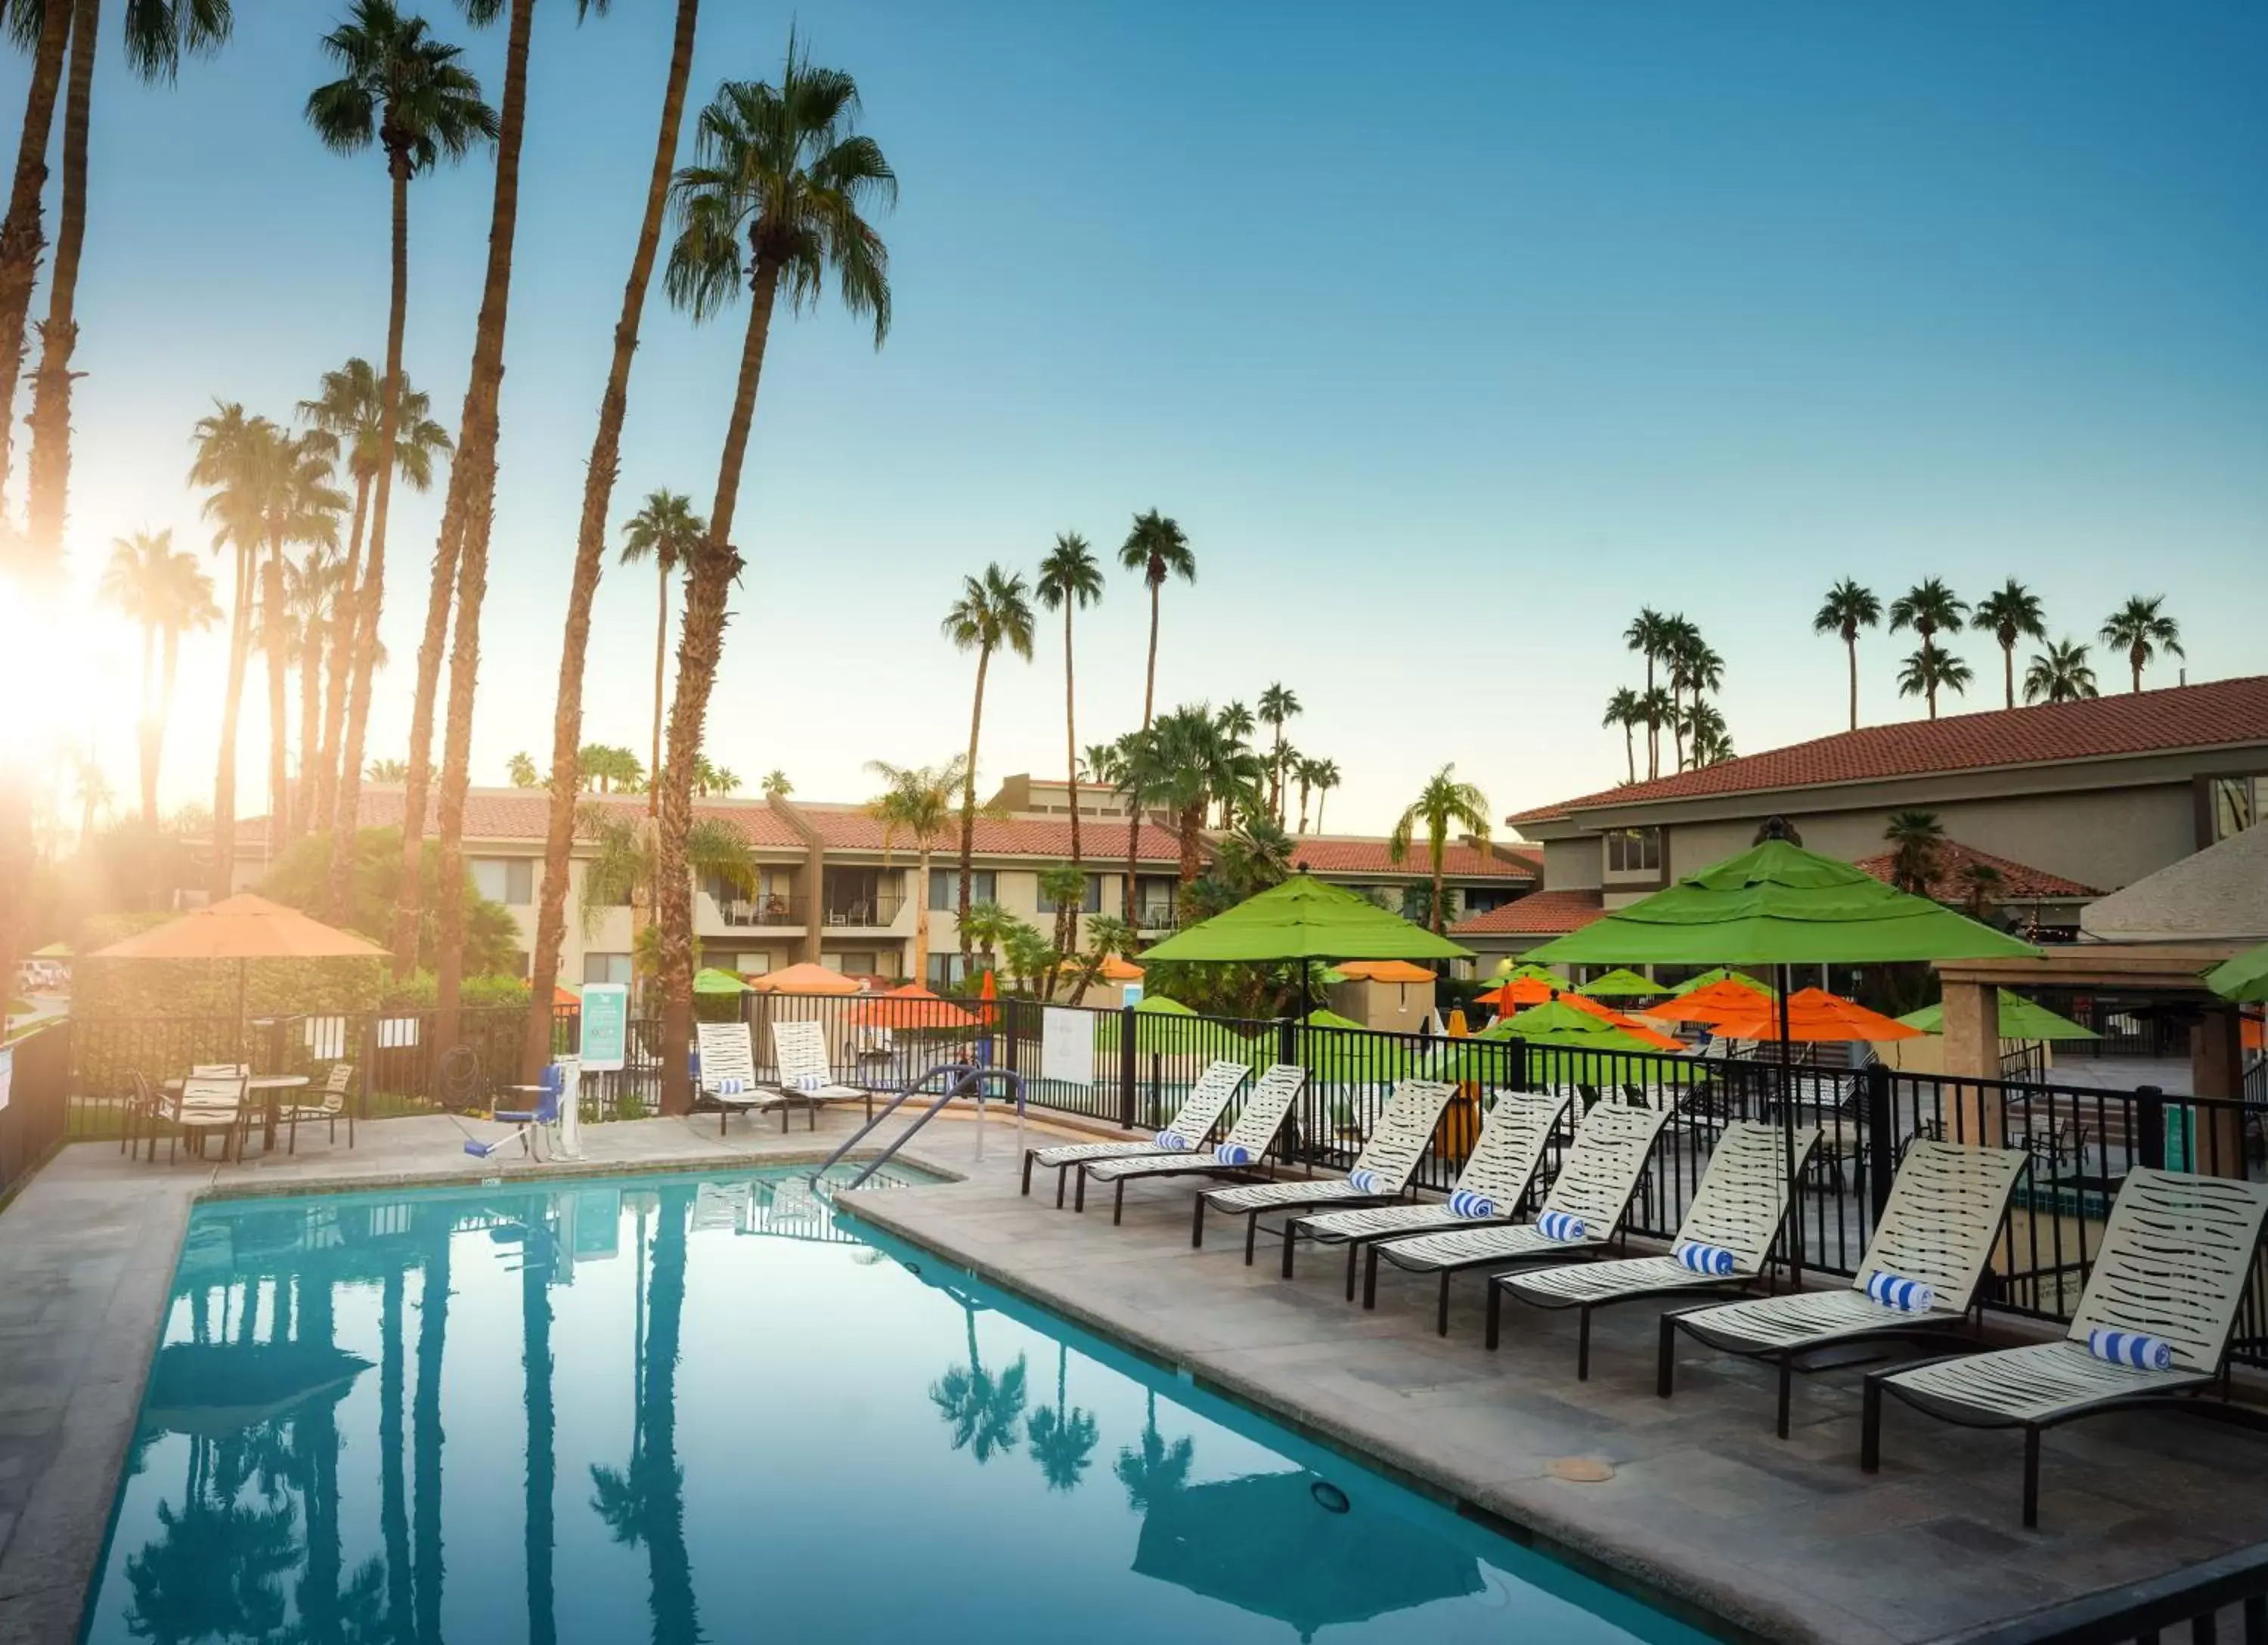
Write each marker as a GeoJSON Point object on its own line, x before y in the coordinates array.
{"type": "Point", "coordinates": [680, 1409]}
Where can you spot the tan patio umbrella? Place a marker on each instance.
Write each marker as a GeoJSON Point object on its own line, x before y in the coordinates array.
{"type": "Point", "coordinates": [805, 978]}
{"type": "Point", "coordinates": [243, 928]}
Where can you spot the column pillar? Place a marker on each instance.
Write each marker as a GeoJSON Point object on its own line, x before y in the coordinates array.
{"type": "Point", "coordinates": [1972, 1052]}
{"type": "Point", "coordinates": [2217, 1069]}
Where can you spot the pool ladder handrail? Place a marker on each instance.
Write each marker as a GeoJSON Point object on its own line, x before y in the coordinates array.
{"type": "Point", "coordinates": [966, 1077]}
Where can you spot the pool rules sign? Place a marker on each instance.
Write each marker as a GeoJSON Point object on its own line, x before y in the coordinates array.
{"type": "Point", "coordinates": [606, 1027]}
{"type": "Point", "coordinates": [1067, 1045]}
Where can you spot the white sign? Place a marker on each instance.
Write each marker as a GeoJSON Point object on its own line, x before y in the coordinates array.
{"type": "Point", "coordinates": [7, 1076]}
{"type": "Point", "coordinates": [1067, 1045]}
{"type": "Point", "coordinates": [327, 1039]}
{"type": "Point", "coordinates": [1130, 994]}
{"type": "Point", "coordinates": [395, 1032]}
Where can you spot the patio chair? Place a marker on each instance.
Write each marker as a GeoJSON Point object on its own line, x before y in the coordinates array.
{"type": "Point", "coordinates": [1380, 1174]}
{"type": "Point", "coordinates": [806, 1076]}
{"type": "Point", "coordinates": [205, 1104]}
{"type": "Point", "coordinates": [1190, 1128]}
{"type": "Point", "coordinates": [2151, 1332]}
{"type": "Point", "coordinates": [1722, 1244]}
{"type": "Point", "coordinates": [1946, 1207]}
{"type": "Point", "coordinates": [1240, 1151]}
{"type": "Point", "coordinates": [1589, 1198]}
{"type": "Point", "coordinates": [139, 1109]}
{"type": "Point", "coordinates": [727, 1072]}
{"type": "Point", "coordinates": [1491, 1187]}
{"type": "Point", "coordinates": [329, 1104]}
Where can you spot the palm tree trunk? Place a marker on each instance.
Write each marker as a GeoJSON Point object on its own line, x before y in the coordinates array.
{"type": "Point", "coordinates": [1630, 752]}
{"type": "Point", "coordinates": [1134, 797]}
{"type": "Point", "coordinates": [2134, 661]}
{"type": "Point", "coordinates": [1677, 728]}
{"type": "Point", "coordinates": [701, 641]}
{"type": "Point", "coordinates": [538, 1533]}
{"type": "Point", "coordinates": [223, 870]}
{"type": "Point", "coordinates": [1437, 887]}
{"type": "Point", "coordinates": [1070, 730]}
{"type": "Point", "coordinates": [920, 920]}
{"type": "Point", "coordinates": [1192, 830]}
{"type": "Point", "coordinates": [21, 241]}
{"type": "Point", "coordinates": [661, 659]}
{"type": "Point", "coordinates": [51, 384]}
{"type": "Point", "coordinates": [2009, 670]}
{"type": "Point", "coordinates": [311, 724]}
{"type": "Point", "coordinates": [344, 605]}
{"type": "Point", "coordinates": [968, 800]}
{"type": "Point", "coordinates": [279, 731]}
{"type": "Point", "coordinates": [1323, 799]}
{"type": "Point", "coordinates": [1652, 728]}
{"type": "Point", "coordinates": [479, 517]}
{"type": "Point", "coordinates": [343, 818]}
{"type": "Point", "coordinates": [1850, 644]}
{"type": "Point", "coordinates": [590, 550]}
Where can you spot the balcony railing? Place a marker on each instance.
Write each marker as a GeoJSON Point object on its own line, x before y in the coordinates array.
{"type": "Point", "coordinates": [878, 909]}
{"type": "Point", "coordinates": [743, 912]}
{"type": "Point", "coordinates": [1153, 913]}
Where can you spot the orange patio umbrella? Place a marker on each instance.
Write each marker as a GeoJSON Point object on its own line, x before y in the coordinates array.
{"type": "Point", "coordinates": [1628, 1024]}
{"type": "Point", "coordinates": [988, 993]}
{"type": "Point", "coordinates": [243, 928]}
{"type": "Point", "coordinates": [1382, 971]}
{"type": "Point", "coordinates": [1813, 1014]}
{"type": "Point", "coordinates": [1115, 970]}
{"type": "Point", "coordinates": [805, 978]}
{"type": "Point", "coordinates": [911, 1006]}
{"type": "Point", "coordinates": [1713, 1003]}
{"type": "Point", "coordinates": [1517, 993]}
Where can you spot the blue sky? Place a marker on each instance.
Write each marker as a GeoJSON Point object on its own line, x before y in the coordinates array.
{"type": "Point", "coordinates": [1450, 334]}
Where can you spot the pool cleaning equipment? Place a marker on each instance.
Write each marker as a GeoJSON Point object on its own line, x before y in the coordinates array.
{"type": "Point", "coordinates": [528, 1124]}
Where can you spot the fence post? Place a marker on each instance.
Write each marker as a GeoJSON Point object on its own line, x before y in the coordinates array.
{"type": "Point", "coordinates": [1519, 1063]}
{"type": "Point", "coordinates": [1880, 1157]}
{"type": "Point", "coordinates": [1127, 1022]}
{"type": "Point", "coordinates": [2150, 1119]}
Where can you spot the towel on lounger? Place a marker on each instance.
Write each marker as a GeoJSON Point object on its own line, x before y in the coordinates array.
{"type": "Point", "coordinates": [1908, 1296]}
{"type": "Point", "coordinates": [1467, 1202]}
{"type": "Point", "coordinates": [1363, 1181]}
{"type": "Point", "coordinates": [2131, 1347]}
{"type": "Point", "coordinates": [1173, 1142]}
{"type": "Point", "coordinates": [1704, 1259]}
{"type": "Point", "coordinates": [1233, 1153]}
{"type": "Point", "coordinates": [809, 1082]}
{"type": "Point", "coordinates": [1559, 1227]}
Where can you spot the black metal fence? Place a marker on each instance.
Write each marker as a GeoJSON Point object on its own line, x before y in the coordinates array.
{"type": "Point", "coordinates": [35, 1102]}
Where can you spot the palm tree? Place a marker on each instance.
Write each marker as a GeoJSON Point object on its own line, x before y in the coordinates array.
{"type": "Point", "coordinates": [1624, 711]}
{"type": "Point", "coordinates": [1654, 711]}
{"type": "Point", "coordinates": [521, 769]}
{"type": "Point", "coordinates": [782, 167]}
{"type": "Point", "coordinates": [349, 412]}
{"type": "Point", "coordinates": [1157, 548]}
{"type": "Point", "coordinates": [1063, 1435]}
{"type": "Point", "coordinates": [2012, 611]}
{"type": "Point", "coordinates": [598, 477]}
{"type": "Point", "coordinates": [1236, 722]}
{"type": "Point", "coordinates": [303, 510]}
{"type": "Point", "coordinates": [2141, 629]}
{"type": "Point", "coordinates": [992, 611]}
{"type": "Point", "coordinates": [1277, 704]}
{"type": "Point", "coordinates": [1325, 776]}
{"type": "Point", "coordinates": [1916, 838]}
{"type": "Point", "coordinates": [1442, 804]}
{"type": "Point", "coordinates": [1848, 608]}
{"type": "Point", "coordinates": [1070, 575]}
{"type": "Point", "coordinates": [987, 928]}
{"type": "Point", "coordinates": [1679, 639]}
{"type": "Point", "coordinates": [1707, 740]}
{"type": "Point", "coordinates": [916, 803]}
{"type": "Point", "coordinates": [1064, 888]}
{"type": "Point", "coordinates": [776, 784]}
{"type": "Point", "coordinates": [1306, 773]}
{"type": "Point", "coordinates": [156, 37]}
{"type": "Point", "coordinates": [663, 531]}
{"type": "Point", "coordinates": [404, 92]}
{"type": "Point", "coordinates": [163, 590]}
{"type": "Point", "coordinates": [21, 237]}
{"type": "Point", "coordinates": [622, 867]}
{"type": "Point", "coordinates": [1188, 763]}
{"type": "Point", "coordinates": [311, 590]}
{"type": "Point", "coordinates": [389, 770]}
{"type": "Point", "coordinates": [1695, 667]}
{"type": "Point", "coordinates": [1928, 671]}
{"type": "Point", "coordinates": [1980, 883]}
{"type": "Point", "coordinates": [2061, 674]}
{"type": "Point", "coordinates": [1649, 635]}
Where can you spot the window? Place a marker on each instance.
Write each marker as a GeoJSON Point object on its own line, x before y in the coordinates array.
{"type": "Point", "coordinates": [1633, 850]}
{"type": "Point", "coordinates": [1091, 904]}
{"type": "Point", "coordinates": [857, 962]}
{"type": "Point", "coordinates": [2236, 804]}
{"type": "Point", "coordinates": [1479, 899]}
{"type": "Point", "coordinates": [1154, 898]}
{"type": "Point", "coordinates": [606, 968]}
{"type": "Point", "coordinates": [752, 964]}
{"type": "Point", "coordinates": [943, 972]}
{"type": "Point", "coordinates": [507, 880]}
{"type": "Point", "coordinates": [944, 886]}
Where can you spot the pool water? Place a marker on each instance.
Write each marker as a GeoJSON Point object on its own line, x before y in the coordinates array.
{"type": "Point", "coordinates": [708, 1408]}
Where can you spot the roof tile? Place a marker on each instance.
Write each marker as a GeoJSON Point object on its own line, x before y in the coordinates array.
{"type": "Point", "coordinates": [1459, 861]}
{"type": "Point", "coordinates": [2018, 879]}
{"type": "Point", "coordinates": [1541, 913]}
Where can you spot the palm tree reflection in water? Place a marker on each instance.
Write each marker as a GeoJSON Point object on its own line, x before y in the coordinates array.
{"type": "Point", "coordinates": [981, 1410]}
{"type": "Point", "coordinates": [1063, 1435]}
{"type": "Point", "coordinates": [1157, 1470]}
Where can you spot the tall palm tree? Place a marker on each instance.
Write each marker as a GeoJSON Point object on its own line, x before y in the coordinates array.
{"type": "Point", "coordinates": [163, 590]}
{"type": "Point", "coordinates": [2012, 611]}
{"type": "Point", "coordinates": [1624, 710]}
{"type": "Point", "coordinates": [598, 476]}
{"type": "Point", "coordinates": [1188, 763]}
{"type": "Point", "coordinates": [1929, 671]}
{"type": "Point", "coordinates": [1707, 741]}
{"type": "Point", "coordinates": [1070, 575]}
{"type": "Point", "coordinates": [1653, 712]}
{"type": "Point", "coordinates": [1916, 840]}
{"type": "Point", "coordinates": [303, 512]}
{"type": "Point", "coordinates": [776, 783]}
{"type": "Point", "coordinates": [993, 610]}
{"type": "Point", "coordinates": [1678, 642]}
{"type": "Point", "coordinates": [1649, 634]}
{"type": "Point", "coordinates": [1158, 548]}
{"type": "Point", "coordinates": [2061, 674]}
{"type": "Point", "coordinates": [2141, 629]}
{"type": "Point", "coordinates": [916, 803]}
{"type": "Point", "coordinates": [311, 588]}
{"type": "Point", "coordinates": [404, 92]}
{"type": "Point", "coordinates": [1442, 804]}
{"type": "Point", "coordinates": [156, 38]}
{"type": "Point", "coordinates": [1278, 704]}
{"type": "Point", "coordinates": [784, 169]}
{"type": "Point", "coordinates": [663, 531]}
{"type": "Point", "coordinates": [22, 238]}
{"type": "Point", "coordinates": [348, 410]}
{"type": "Point", "coordinates": [1694, 668]}
{"type": "Point", "coordinates": [1305, 772]}
{"type": "Point", "coordinates": [1848, 608]}
{"type": "Point", "coordinates": [1325, 775]}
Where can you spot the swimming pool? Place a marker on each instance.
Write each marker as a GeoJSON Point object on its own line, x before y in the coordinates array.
{"type": "Point", "coordinates": [706, 1408]}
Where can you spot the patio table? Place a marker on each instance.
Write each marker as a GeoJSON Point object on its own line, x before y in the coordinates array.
{"type": "Point", "coordinates": [269, 1086]}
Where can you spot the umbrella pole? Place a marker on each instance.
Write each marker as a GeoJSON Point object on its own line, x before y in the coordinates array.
{"type": "Point", "coordinates": [1787, 1138]}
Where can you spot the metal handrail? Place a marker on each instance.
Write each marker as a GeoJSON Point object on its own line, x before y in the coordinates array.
{"type": "Point", "coordinates": [966, 1077]}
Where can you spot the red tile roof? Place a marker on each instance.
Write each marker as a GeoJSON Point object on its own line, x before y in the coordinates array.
{"type": "Point", "coordinates": [2225, 712]}
{"type": "Point", "coordinates": [2019, 881]}
{"type": "Point", "coordinates": [849, 828]}
{"type": "Point", "coordinates": [1539, 913]}
{"type": "Point", "coordinates": [1459, 861]}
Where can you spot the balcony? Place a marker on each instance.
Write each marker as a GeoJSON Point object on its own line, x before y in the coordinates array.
{"type": "Point", "coordinates": [747, 912]}
{"type": "Point", "coordinates": [1153, 913]}
{"type": "Point", "coordinates": [871, 911]}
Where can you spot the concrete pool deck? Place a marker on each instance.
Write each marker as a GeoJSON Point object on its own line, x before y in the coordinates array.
{"type": "Point", "coordinates": [1699, 1504]}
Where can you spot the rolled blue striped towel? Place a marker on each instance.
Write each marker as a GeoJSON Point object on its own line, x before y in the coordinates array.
{"type": "Point", "coordinates": [1705, 1258]}
{"type": "Point", "coordinates": [1173, 1142]}
{"type": "Point", "coordinates": [1363, 1181]}
{"type": "Point", "coordinates": [1908, 1296]}
{"type": "Point", "coordinates": [729, 1086]}
{"type": "Point", "coordinates": [809, 1082]}
{"type": "Point", "coordinates": [1467, 1202]}
{"type": "Point", "coordinates": [1560, 1226]}
{"type": "Point", "coordinates": [1233, 1153]}
{"type": "Point", "coordinates": [2131, 1347]}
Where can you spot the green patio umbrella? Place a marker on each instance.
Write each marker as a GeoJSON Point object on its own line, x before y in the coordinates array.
{"type": "Point", "coordinates": [2019, 1019]}
{"type": "Point", "coordinates": [1723, 974]}
{"type": "Point", "coordinates": [1305, 919]}
{"type": "Point", "coordinates": [1156, 1028]}
{"type": "Point", "coordinates": [1506, 972]}
{"type": "Point", "coordinates": [710, 980]}
{"type": "Point", "coordinates": [1322, 1017]}
{"type": "Point", "coordinates": [1621, 985]}
{"type": "Point", "coordinates": [2243, 980]}
{"type": "Point", "coordinates": [1556, 1022]}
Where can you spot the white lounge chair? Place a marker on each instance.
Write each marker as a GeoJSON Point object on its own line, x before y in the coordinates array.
{"type": "Point", "coordinates": [1595, 1184]}
{"type": "Point", "coordinates": [1380, 1174]}
{"type": "Point", "coordinates": [728, 1071]}
{"type": "Point", "coordinates": [1499, 1171]}
{"type": "Point", "coordinates": [2177, 1255]}
{"type": "Point", "coordinates": [1945, 1209]}
{"type": "Point", "coordinates": [1192, 1125]}
{"type": "Point", "coordinates": [1257, 1127]}
{"type": "Point", "coordinates": [1738, 1208]}
{"type": "Point", "coordinates": [806, 1076]}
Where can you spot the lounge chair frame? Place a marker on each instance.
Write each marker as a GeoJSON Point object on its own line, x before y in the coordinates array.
{"type": "Point", "coordinates": [799, 1051]}
{"type": "Point", "coordinates": [1207, 1100]}
{"type": "Point", "coordinates": [1258, 1126]}
{"type": "Point", "coordinates": [728, 1053]}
